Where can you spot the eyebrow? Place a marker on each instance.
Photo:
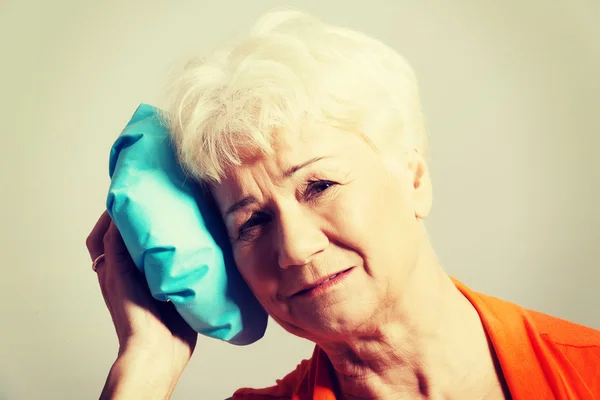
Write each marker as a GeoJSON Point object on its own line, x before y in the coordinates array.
{"type": "Point", "coordinates": [291, 171]}
{"type": "Point", "coordinates": [248, 200]}
{"type": "Point", "coordinates": [245, 202]}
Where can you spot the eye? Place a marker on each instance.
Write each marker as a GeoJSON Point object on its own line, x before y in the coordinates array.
{"type": "Point", "coordinates": [251, 227]}
{"type": "Point", "coordinates": [315, 188]}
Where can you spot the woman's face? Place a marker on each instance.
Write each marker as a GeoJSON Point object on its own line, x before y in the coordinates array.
{"type": "Point", "coordinates": [322, 233]}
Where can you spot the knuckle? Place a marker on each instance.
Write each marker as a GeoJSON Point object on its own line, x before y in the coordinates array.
{"type": "Point", "coordinates": [93, 244]}
{"type": "Point", "coordinates": [88, 242]}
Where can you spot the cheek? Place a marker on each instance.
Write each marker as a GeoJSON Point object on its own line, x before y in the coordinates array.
{"type": "Point", "coordinates": [366, 212]}
{"type": "Point", "coordinates": [374, 221]}
{"type": "Point", "coordinates": [263, 280]}
{"type": "Point", "coordinates": [257, 269]}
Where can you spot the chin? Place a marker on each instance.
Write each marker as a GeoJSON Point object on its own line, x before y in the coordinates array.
{"type": "Point", "coordinates": [342, 317]}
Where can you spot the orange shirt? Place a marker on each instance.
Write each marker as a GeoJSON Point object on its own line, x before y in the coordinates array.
{"type": "Point", "coordinates": [542, 357]}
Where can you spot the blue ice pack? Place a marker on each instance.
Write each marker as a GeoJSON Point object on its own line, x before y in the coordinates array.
{"type": "Point", "coordinates": [175, 234]}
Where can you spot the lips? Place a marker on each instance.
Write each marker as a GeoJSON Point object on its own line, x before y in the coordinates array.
{"type": "Point", "coordinates": [318, 283]}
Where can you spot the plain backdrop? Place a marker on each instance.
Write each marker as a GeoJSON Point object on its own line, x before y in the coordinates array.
{"type": "Point", "coordinates": [511, 90]}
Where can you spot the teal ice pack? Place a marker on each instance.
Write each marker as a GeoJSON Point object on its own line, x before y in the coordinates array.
{"type": "Point", "coordinates": [175, 234]}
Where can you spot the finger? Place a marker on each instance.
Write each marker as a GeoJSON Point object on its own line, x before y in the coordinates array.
{"type": "Point", "coordinates": [115, 249]}
{"type": "Point", "coordinates": [107, 270]}
{"type": "Point", "coordinates": [94, 241]}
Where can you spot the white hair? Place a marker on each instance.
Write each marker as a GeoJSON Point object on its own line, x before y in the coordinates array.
{"type": "Point", "coordinates": [289, 70]}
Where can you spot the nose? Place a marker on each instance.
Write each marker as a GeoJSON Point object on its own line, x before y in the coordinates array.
{"type": "Point", "coordinates": [299, 237]}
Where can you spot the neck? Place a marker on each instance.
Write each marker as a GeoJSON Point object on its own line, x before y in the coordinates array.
{"type": "Point", "coordinates": [429, 343]}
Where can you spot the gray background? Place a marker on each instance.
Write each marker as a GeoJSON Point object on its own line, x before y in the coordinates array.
{"type": "Point", "coordinates": [511, 90]}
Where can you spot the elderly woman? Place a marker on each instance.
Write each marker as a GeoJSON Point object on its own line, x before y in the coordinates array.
{"type": "Point", "coordinates": [312, 142]}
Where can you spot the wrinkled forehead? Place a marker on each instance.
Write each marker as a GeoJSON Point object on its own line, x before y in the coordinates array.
{"type": "Point", "coordinates": [289, 148]}
{"type": "Point", "coordinates": [290, 152]}
{"type": "Point", "coordinates": [257, 167]}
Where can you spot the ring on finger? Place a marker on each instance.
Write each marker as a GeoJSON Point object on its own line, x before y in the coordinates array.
{"type": "Point", "coordinates": [97, 262]}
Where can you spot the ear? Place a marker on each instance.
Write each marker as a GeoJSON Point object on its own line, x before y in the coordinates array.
{"type": "Point", "coordinates": [420, 180]}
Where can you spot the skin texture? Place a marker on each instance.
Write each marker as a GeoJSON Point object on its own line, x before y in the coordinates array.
{"type": "Point", "coordinates": [326, 217]}
{"type": "Point", "coordinates": [155, 344]}
{"type": "Point", "coordinates": [395, 327]}
{"type": "Point", "coordinates": [325, 202]}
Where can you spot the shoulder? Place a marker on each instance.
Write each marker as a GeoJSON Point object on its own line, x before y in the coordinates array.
{"type": "Point", "coordinates": [499, 314]}
{"type": "Point", "coordinates": [573, 344]}
{"type": "Point", "coordinates": [540, 355]}
{"type": "Point", "coordinates": [563, 332]}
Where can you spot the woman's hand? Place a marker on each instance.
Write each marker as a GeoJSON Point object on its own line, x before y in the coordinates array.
{"type": "Point", "coordinates": [155, 343]}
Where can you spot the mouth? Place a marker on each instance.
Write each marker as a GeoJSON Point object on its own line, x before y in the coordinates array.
{"type": "Point", "coordinates": [323, 283]}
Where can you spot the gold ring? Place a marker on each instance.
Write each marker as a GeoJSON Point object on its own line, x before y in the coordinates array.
{"type": "Point", "coordinates": [97, 261]}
